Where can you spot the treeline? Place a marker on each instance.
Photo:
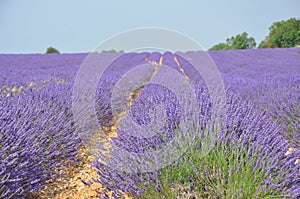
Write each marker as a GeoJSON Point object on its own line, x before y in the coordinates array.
{"type": "Point", "coordinates": [282, 34]}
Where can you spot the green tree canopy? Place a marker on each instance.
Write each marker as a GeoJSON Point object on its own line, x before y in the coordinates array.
{"type": "Point", "coordinates": [220, 46]}
{"type": "Point", "coordinates": [240, 41]}
{"type": "Point", "coordinates": [52, 50]}
{"type": "Point", "coordinates": [283, 34]}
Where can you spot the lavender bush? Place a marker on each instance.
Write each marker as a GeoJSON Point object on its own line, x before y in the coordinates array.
{"type": "Point", "coordinates": [37, 139]}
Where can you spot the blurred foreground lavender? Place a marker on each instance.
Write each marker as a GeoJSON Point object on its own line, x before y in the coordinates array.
{"type": "Point", "coordinates": [37, 139]}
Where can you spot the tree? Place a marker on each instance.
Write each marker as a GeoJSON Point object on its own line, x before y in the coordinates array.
{"type": "Point", "coordinates": [240, 41]}
{"type": "Point", "coordinates": [220, 46]}
{"type": "Point", "coordinates": [52, 50]}
{"type": "Point", "coordinates": [283, 34]}
{"type": "Point", "coordinates": [112, 51]}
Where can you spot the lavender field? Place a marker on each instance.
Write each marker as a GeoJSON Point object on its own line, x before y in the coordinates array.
{"type": "Point", "coordinates": [256, 154]}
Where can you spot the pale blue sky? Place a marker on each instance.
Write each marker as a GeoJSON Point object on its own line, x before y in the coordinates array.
{"type": "Point", "coordinates": [78, 26]}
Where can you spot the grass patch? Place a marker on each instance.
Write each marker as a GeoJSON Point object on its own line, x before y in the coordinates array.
{"type": "Point", "coordinates": [227, 171]}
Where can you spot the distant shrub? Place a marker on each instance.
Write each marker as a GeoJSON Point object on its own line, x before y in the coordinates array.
{"type": "Point", "coordinates": [52, 50]}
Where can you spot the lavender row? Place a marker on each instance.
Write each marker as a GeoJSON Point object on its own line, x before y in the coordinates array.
{"type": "Point", "coordinates": [37, 138]}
